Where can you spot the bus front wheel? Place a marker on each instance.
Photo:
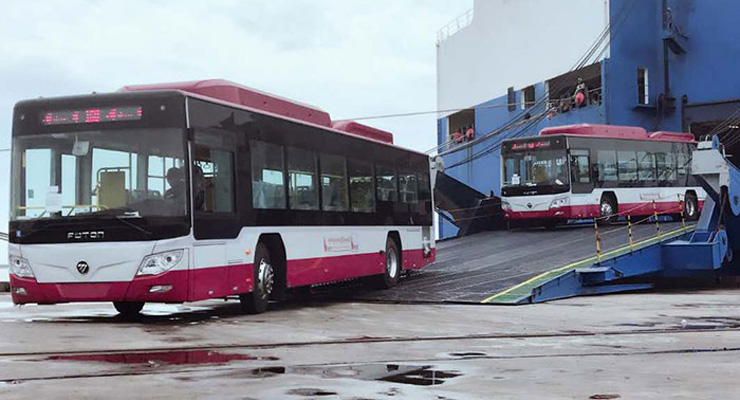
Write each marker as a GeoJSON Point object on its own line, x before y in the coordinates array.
{"type": "Point", "coordinates": [128, 308]}
{"type": "Point", "coordinates": [256, 301]}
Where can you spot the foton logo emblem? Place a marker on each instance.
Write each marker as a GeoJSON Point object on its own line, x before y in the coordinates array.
{"type": "Point", "coordinates": [82, 267]}
{"type": "Point", "coordinates": [85, 235]}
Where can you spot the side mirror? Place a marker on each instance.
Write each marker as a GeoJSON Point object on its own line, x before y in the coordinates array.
{"type": "Point", "coordinates": [80, 148]}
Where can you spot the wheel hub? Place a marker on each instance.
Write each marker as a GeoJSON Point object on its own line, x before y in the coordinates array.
{"type": "Point", "coordinates": [606, 210]}
{"type": "Point", "coordinates": [265, 278]}
{"type": "Point", "coordinates": [391, 262]}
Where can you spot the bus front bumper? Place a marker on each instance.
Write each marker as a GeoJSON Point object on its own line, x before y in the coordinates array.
{"type": "Point", "coordinates": [169, 287]}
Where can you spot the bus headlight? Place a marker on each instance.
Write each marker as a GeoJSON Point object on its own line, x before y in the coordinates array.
{"type": "Point", "coordinates": [20, 267]}
{"type": "Point", "coordinates": [505, 206]}
{"type": "Point", "coordinates": [559, 202]}
{"type": "Point", "coordinates": [156, 264]}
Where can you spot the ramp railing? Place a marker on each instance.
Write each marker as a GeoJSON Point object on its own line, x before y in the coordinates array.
{"type": "Point", "coordinates": [628, 229]}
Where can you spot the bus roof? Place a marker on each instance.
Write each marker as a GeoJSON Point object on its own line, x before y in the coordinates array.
{"type": "Point", "coordinates": [234, 93]}
{"type": "Point", "coordinates": [617, 132]}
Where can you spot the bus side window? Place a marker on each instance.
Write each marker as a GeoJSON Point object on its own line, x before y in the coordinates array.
{"type": "Point", "coordinates": [607, 165]}
{"type": "Point", "coordinates": [302, 185]}
{"type": "Point", "coordinates": [385, 178]}
{"type": "Point", "coordinates": [646, 167]}
{"type": "Point", "coordinates": [268, 182]}
{"type": "Point", "coordinates": [425, 192]}
{"type": "Point", "coordinates": [580, 162]}
{"type": "Point", "coordinates": [683, 165]}
{"type": "Point", "coordinates": [361, 186]}
{"type": "Point", "coordinates": [408, 187]}
{"type": "Point", "coordinates": [666, 166]}
{"type": "Point", "coordinates": [627, 166]}
{"type": "Point", "coordinates": [334, 195]}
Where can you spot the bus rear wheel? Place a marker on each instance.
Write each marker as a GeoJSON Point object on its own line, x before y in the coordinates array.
{"type": "Point", "coordinates": [607, 210]}
{"type": "Point", "coordinates": [128, 308]}
{"type": "Point", "coordinates": [392, 271]}
{"type": "Point", "coordinates": [263, 274]}
{"type": "Point", "coordinates": [690, 207]}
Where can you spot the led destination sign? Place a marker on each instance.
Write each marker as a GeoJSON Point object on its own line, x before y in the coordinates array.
{"type": "Point", "coordinates": [530, 145]}
{"type": "Point", "coordinates": [91, 115]}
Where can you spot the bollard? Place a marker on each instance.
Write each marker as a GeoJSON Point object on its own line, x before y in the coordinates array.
{"type": "Point", "coordinates": [655, 215]}
{"type": "Point", "coordinates": [598, 240]}
{"type": "Point", "coordinates": [629, 229]}
{"type": "Point", "coordinates": [680, 211]}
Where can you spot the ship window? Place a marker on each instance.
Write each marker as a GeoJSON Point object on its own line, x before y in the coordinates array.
{"type": "Point", "coordinates": [643, 92]}
{"type": "Point", "coordinates": [527, 97]}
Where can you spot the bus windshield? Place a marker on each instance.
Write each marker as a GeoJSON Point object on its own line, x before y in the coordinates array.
{"type": "Point", "coordinates": [536, 168]}
{"type": "Point", "coordinates": [126, 173]}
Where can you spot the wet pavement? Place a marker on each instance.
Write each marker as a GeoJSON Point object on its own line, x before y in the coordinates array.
{"type": "Point", "coordinates": [648, 345]}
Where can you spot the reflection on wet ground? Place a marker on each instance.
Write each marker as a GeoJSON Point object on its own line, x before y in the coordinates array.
{"type": "Point", "coordinates": [419, 375]}
{"type": "Point", "coordinates": [166, 314]}
{"type": "Point", "coordinates": [175, 357]}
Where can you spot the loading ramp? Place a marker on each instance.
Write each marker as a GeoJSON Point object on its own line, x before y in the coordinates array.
{"type": "Point", "coordinates": [504, 267]}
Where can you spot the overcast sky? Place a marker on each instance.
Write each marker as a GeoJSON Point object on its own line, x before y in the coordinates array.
{"type": "Point", "coordinates": [350, 57]}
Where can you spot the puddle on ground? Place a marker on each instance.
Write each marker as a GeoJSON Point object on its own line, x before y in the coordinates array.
{"type": "Point", "coordinates": [468, 354]}
{"type": "Point", "coordinates": [267, 371]}
{"type": "Point", "coordinates": [710, 322]}
{"type": "Point", "coordinates": [423, 377]}
{"type": "Point", "coordinates": [419, 375]}
{"type": "Point", "coordinates": [177, 357]}
{"type": "Point", "coordinates": [310, 392]}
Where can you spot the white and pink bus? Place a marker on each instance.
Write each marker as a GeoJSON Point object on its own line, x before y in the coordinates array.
{"type": "Point", "coordinates": [183, 192]}
{"type": "Point", "coordinates": [597, 171]}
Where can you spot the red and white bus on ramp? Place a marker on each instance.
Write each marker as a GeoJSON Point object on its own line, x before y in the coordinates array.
{"type": "Point", "coordinates": [597, 171]}
{"type": "Point", "coordinates": [183, 192]}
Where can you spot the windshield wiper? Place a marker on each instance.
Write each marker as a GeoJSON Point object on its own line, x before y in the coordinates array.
{"type": "Point", "coordinates": [140, 229]}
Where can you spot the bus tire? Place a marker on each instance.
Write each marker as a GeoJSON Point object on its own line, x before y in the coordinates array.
{"type": "Point", "coordinates": [128, 308]}
{"type": "Point", "coordinates": [607, 209]}
{"type": "Point", "coordinates": [263, 275]}
{"type": "Point", "coordinates": [690, 206]}
{"type": "Point", "coordinates": [392, 271]}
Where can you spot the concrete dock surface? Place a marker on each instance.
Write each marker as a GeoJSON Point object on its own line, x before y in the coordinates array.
{"type": "Point", "coordinates": [679, 344]}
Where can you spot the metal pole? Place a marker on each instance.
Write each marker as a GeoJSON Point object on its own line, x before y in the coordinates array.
{"type": "Point", "coordinates": [655, 215]}
{"type": "Point", "coordinates": [680, 211]}
{"type": "Point", "coordinates": [598, 240]}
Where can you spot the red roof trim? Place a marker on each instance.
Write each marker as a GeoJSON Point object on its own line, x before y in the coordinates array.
{"type": "Point", "coordinates": [364, 130]}
{"type": "Point", "coordinates": [237, 94]}
{"type": "Point", "coordinates": [234, 95]}
{"type": "Point", "coordinates": [617, 132]}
